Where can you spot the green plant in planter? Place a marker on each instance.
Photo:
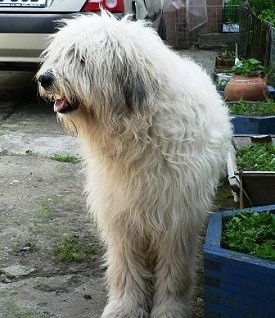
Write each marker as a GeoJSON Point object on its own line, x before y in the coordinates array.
{"type": "Point", "coordinates": [227, 54]}
{"type": "Point", "coordinates": [244, 108]}
{"type": "Point", "coordinates": [251, 233]}
{"type": "Point", "coordinates": [256, 157]}
{"type": "Point", "coordinates": [250, 66]}
{"type": "Point", "coordinates": [237, 284]}
{"type": "Point", "coordinates": [225, 60]}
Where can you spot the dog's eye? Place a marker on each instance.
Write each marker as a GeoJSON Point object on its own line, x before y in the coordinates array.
{"type": "Point", "coordinates": [82, 60]}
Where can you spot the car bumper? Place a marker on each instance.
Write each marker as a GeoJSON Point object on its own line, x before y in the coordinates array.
{"type": "Point", "coordinates": [30, 22]}
{"type": "Point", "coordinates": [22, 47]}
{"type": "Point", "coordinates": [23, 37]}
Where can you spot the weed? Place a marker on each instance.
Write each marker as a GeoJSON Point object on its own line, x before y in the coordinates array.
{"type": "Point", "coordinates": [251, 233]}
{"type": "Point", "coordinates": [65, 158]}
{"type": "Point", "coordinates": [224, 199]}
{"type": "Point", "coordinates": [45, 210]}
{"type": "Point", "coordinates": [70, 250]}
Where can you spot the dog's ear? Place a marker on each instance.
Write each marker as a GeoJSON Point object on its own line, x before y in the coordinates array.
{"type": "Point", "coordinates": [135, 91]}
{"type": "Point", "coordinates": [136, 83]}
{"type": "Point", "coordinates": [121, 78]}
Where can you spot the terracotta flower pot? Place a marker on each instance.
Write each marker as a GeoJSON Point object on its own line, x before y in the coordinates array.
{"type": "Point", "coordinates": [246, 87]}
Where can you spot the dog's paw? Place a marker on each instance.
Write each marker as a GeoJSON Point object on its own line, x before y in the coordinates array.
{"type": "Point", "coordinates": [120, 309]}
{"type": "Point", "coordinates": [170, 310]}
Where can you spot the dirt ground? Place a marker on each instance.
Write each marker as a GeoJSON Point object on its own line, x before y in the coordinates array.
{"type": "Point", "coordinates": [50, 255]}
{"type": "Point", "coordinates": [49, 250]}
{"type": "Point", "coordinates": [41, 206]}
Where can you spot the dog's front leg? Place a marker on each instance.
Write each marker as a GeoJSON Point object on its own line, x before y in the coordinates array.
{"type": "Point", "coordinates": [128, 278]}
{"type": "Point", "coordinates": [174, 275]}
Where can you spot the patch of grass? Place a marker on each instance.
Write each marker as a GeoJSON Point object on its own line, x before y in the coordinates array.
{"type": "Point", "coordinates": [65, 158]}
{"type": "Point", "coordinates": [224, 199]}
{"type": "Point", "coordinates": [251, 233]}
{"type": "Point", "coordinates": [70, 250]}
{"type": "Point", "coordinates": [45, 209]}
{"type": "Point", "coordinates": [253, 109]}
{"type": "Point", "coordinates": [258, 157]}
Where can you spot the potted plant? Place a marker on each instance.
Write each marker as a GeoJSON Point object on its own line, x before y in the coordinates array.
{"type": "Point", "coordinates": [224, 61]}
{"type": "Point", "coordinates": [254, 170]}
{"type": "Point", "coordinates": [237, 284]}
{"type": "Point", "coordinates": [253, 117]}
{"type": "Point", "coordinates": [248, 82]}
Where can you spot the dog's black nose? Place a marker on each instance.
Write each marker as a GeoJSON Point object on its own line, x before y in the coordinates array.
{"type": "Point", "coordinates": [46, 79]}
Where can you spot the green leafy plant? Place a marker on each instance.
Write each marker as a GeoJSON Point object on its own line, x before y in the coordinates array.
{"type": "Point", "coordinates": [251, 233]}
{"type": "Point", "coordinates": [244, 108]}
{"type": "Point", "coordinates": [65, 158]}
{"type": "Point", "coordinates": [250, 66]}
{"type": "Point", "coordinates": [268, 15]}
{"type": "Point", "coordinates": [70, 250]}
{"type": "Point", "coordinates": [260, 5]}
{"type": "Point", "coordinates": [256, 157]}
{"type": "Point", "coordinates": [227, 54]}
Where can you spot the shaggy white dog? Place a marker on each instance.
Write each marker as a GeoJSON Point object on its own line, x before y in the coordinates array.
{"type": "Point", "coordinates": [155, 137]}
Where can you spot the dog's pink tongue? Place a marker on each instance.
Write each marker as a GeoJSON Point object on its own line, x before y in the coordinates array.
{"type": "Point", "coordinates": [59, 104]}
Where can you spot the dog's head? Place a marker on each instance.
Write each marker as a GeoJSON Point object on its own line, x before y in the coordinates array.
{"type": "Point", "coordinates": [100, 67]}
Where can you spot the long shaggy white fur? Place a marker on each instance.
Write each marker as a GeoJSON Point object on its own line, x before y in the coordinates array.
{"type": "Point", "coordinates": [155, 137]}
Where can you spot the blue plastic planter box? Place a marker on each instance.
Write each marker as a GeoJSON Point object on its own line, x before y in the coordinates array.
{"type": "Point", "coordinates": [253, 124]}
{"type": "Point", "coordinates": [236, 285]}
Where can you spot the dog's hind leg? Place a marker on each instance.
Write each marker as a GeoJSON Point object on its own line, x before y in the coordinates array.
{"type": "Point", "coordinates": [174, 276]}
{"type": "Point", "coordinates": [129, 281]}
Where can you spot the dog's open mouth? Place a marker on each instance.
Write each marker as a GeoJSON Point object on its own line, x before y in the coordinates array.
{"type": "Point", "coordinates": [63, 106]}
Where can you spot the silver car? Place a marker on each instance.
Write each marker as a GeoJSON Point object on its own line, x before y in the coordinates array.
{"type": "Point", "coordinates": [26, 24]}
